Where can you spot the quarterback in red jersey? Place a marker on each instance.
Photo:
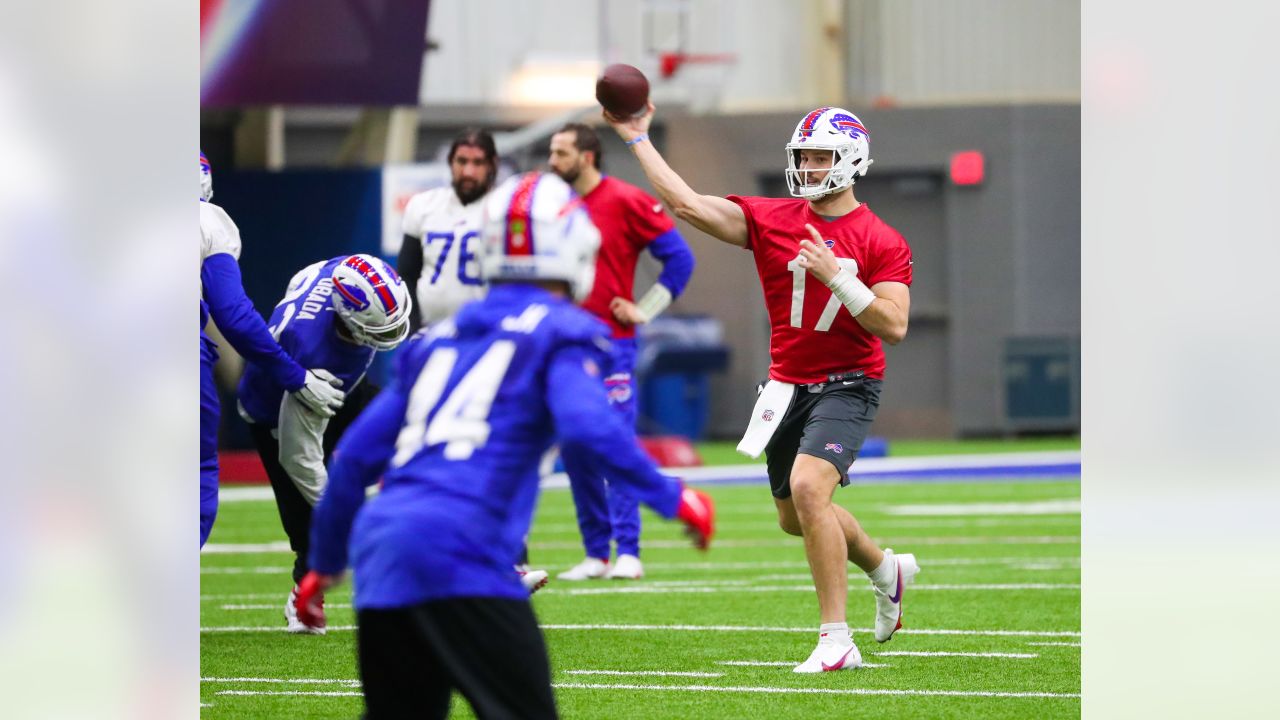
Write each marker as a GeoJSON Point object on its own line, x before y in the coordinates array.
{"type": "Point", "coordinates": [630, 222]}
{"type": "Point", "coordinates": [836, 282]}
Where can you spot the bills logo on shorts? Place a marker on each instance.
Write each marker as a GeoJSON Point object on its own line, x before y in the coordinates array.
{"type": "Point", "coordinates": [767, 415]}
{"type": "Point", "coordinates": [837, 447]}
{"type": "Point", "coordinates": [618, 388]}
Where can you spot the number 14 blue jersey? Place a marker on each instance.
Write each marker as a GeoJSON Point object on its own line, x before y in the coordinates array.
{"type": "Point", "coordinates": [457, 440]}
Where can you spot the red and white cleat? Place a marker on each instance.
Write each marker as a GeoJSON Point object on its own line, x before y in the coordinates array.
{"type": "Point", "coordinates": [889, 604]}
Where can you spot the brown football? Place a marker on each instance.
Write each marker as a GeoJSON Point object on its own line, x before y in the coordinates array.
{"type": "Point", "coordinates": [622, 90]}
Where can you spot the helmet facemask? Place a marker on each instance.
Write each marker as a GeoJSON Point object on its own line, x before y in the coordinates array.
{"type": "Point", "coordinates": [384, 337]}
{"type": "Point", "coordinates": [842, 173]}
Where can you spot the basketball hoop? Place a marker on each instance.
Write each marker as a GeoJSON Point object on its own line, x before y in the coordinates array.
{"type": "Point", "coordinates": [669, 63]}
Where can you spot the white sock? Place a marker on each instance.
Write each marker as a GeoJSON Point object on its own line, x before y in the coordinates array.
{"type": "Point", "coordinates": [835, 632]}
{"type": "Point", "coordinates": [885, 576]}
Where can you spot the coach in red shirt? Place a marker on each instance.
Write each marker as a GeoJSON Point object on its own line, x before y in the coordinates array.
{"type": "Point", "coordinates": [836, 282]}
{"type": "Point", "coordinates": [630, 221]}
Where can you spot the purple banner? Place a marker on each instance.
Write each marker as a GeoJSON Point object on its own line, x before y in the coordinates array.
{"type": "Point", "coordinates": [311, 52]}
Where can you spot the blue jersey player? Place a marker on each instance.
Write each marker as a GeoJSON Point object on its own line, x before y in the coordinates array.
{"type": "Point", "coordinates": [222, 298]}
{"type": "Point", "coordinates": [335, 315]}
{"type": "Point", "coordinates": [456, 441]}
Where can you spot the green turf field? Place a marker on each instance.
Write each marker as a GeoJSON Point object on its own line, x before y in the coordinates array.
{"type": "Point", "coordinates": [991, 629]}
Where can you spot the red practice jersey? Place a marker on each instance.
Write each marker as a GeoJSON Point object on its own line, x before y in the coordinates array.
{"type": "Point", "coordinates": [812, 333]}
{"type": "Point", "coordinates": [628, 220]}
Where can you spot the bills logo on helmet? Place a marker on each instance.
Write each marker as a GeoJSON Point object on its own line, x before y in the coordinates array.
{"type": "Point", "coordinates": [849, 125]}
{"type": "Point", "coordinates": [353, 295]}
{"type": "Point", "coordinates": [837, 447]}
{"type": "Point", "coordinates": [809, 122]}
{"type": "Point", "coordinates": [356, 297]}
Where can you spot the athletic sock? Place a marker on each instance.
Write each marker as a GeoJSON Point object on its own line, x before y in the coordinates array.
{"type": "Point", "coordinates": [886, 575]}
{"type": "Point", "coordinates": [835, 632]}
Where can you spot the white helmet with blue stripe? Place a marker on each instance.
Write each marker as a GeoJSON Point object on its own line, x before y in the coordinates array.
{"type": "Point", "coordinates": [372, 301]}
{"type": "Point", "coordinates": [834, 129]}
{"type": "Point", "coordinates": [206, 178]}
{"type": "Point", "coordinates": [536, 228]}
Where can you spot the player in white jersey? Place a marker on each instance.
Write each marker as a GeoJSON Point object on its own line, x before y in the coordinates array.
{"type": "Point", "coordinates": [439, 257]}
{"type": "Point", "coordinates": [222, 298]}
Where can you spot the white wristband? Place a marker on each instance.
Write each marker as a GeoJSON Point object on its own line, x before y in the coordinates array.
{"type": "Point", "coordinates": [852, 292]}
{"type": "Point", "coordinates": [654, 301]}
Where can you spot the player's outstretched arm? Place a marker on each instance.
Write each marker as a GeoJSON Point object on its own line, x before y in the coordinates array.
{"type": "Point", "coordinates": [586, 427]}
{"type": "Point", "coordinates": [240, 323]}
{"type": "Point", "coordinates": [715, 216]}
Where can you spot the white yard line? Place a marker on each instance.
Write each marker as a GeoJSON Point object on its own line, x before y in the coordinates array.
{"type": "Point", "coordinates": [812, 691]}
{"type": "Point", "coordinates": [707, 688]}
{"type": "Point", "coordinates": [783, 663]}
{"type": "Point", "coordinates": [310, 693]}
{"type": "Point", "coordinates": [257, 570]}
{"type": "Point", "coordinates": [1056, 644]}
{"type": "Point", "coordinates": [279, 546]}
{"type": "Point", "coordinates": [280, 606]}
{"type": "Point", "coordinates": [1040, 507]}
{"type": "Point", "coordinates": [1073, 560]}
{"type": "Point", "coordinates": [282, 681]}
{"type": "Point", "coordinates": [940, 653]}
{"type": "Point", "coordinates": [700, 628]}
{"type": "Point", "coordinates": [271, 628]}
{"type": "Point", "coordinates": [659, 673]}
{"type": "Point", "coordinates": [706, 588]}
{"type": "Point", "coordinates": [797, 542]}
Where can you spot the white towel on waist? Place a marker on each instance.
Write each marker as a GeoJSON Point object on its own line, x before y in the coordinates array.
{"type": "Point", "coordinates": [771, 407]}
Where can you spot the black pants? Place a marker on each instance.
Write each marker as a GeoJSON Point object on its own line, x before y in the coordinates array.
{"type": "Point", "coordinates": [295, 511]}
{"type": "Point", "coordinates": [490, 650]}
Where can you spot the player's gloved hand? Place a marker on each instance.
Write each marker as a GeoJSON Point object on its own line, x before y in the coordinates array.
{"type": "Point", "coordinates": [698, 513]}
{"type": "Point", "coordinates": [310, 598]}
{"type": "Point", "coordinates": [320, 392]}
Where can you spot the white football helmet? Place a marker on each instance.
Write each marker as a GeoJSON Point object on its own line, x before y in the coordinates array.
{"type": "Point", "coordinates": [372, 301]}
{"type": "Point", "coordinates": [837, 130]}
{"type": "Point", "coordinates": [536, 228]}
{"type": "Point", "coordinates": [206, 178]}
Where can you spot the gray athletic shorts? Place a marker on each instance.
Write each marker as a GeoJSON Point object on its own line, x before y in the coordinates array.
{"type": "Point", "coordinates": [826, 420]}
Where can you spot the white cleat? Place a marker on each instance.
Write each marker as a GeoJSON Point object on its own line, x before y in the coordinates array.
{"type": "Point", "coordinates": [533, 580]}
{"type": "Point", "coordinates": [627, 567]}
{"type": "Point", "coordinates": [831, 656]}
{"type": "Point", "coordinates": [889, 605]}
{"type": "Point", "coordinates": [589, 569]}
{"type": "Point", "coordinates": [291, 616]}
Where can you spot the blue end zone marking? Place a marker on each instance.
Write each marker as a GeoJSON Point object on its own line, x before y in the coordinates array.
{"type": "Point", "coordinates": [1052, 466]}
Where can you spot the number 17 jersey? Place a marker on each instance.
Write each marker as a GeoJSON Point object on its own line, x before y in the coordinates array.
{"type": "Point", "coordinates": [812, 335]}
{"type": "Point", "coordinates": [450, 235]}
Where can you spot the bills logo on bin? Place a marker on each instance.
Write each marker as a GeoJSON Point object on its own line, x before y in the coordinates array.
{"type": "Point", "coordinates": [767, 415]}
{"type": "Point", "coordinates": [837, 447]}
